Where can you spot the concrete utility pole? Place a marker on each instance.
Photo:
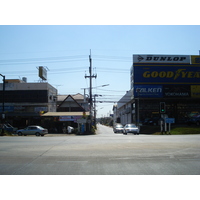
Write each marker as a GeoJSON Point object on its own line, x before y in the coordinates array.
{"type": "Point", "coordinates": [90, 77]}
{"type": "Point", "coordinates": [3, 104]}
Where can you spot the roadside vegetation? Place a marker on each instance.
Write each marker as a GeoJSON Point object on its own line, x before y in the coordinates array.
{"type": "Point", "coordinates": [184, 130]}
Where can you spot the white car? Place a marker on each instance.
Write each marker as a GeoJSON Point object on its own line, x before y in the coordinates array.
{"type": "Point", "coordinates": [32, 130]}
{"type": "Point", "coordinates": [131, 128]}
{"type": "Point", "coordinates": [118, 128]}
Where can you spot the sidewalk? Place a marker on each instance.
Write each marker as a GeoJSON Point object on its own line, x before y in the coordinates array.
{"type": "Point", "coordinates": [59, 134]}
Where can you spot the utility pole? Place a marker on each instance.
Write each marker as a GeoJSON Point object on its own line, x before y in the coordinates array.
{"type": "Point", "coordinates": [3, 103]}
{"type": "Point", "coordinates": [90, 77]}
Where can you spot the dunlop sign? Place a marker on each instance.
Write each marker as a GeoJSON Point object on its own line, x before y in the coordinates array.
{"type": "Point", "coordinates": [161, 59]}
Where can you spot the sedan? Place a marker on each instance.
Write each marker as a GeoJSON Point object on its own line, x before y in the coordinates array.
{"type": "Point", "coordinates": [118, 128]}
{"type": "Point", "coordinates": [131, 128]}
{"type": "Point", "coordinates": [33, 130]}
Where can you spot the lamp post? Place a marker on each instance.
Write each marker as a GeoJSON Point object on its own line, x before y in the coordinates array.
{"type": "Point", "coordinates": [3, 103]}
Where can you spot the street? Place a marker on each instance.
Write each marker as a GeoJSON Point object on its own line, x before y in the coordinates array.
{"type": "Point", "coordinates": [105, 153]}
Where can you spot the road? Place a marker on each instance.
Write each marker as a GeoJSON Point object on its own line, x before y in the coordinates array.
{"type": "Point", "coordinates": [103, 154]}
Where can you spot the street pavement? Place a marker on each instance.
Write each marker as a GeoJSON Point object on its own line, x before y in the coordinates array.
{"type": "Point", "coordinates": [105, 153]}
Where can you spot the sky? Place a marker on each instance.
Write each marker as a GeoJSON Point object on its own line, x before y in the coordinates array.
{"type": "Point", "coordinates": [61, 37]}
{"type": "Point", "coordinates": [64, 50]}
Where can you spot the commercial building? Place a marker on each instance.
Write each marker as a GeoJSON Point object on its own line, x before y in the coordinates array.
{"type": "Point", "coordinates": [172, 79]}
{"type": "Point", "coordinates": [25, 102]}
{"type": "Point", "coordinates": [72, 110]}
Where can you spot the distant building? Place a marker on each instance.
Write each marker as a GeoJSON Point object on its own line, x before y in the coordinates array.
{"type": "Point", "coordinates": [72, 103]}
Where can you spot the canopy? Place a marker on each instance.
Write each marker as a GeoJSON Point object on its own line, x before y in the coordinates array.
{"type": "Point", "coordinates": [57, 114]}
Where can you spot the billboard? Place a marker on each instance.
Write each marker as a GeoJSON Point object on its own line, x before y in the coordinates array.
{"type": "Point", "coordinates": [181, 59]}
{"type": "Point", "coordinates": [167, 74]}
{"type": "Point", "coordinates": [43, 73]}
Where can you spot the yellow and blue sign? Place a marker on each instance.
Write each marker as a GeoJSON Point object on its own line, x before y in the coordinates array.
{"type": "Point", "coordinates": [148, 91]}
{"type": "Point", "coordinates": [195, 91]}
{"type": "Point", "coordinates": [167, 74]}
{"type": "Point", "coordinates": [166, 91]}
{"type": "Point", "coordinates": [195, 60]}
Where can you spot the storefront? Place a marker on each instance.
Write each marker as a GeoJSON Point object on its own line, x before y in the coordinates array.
{"type": "Point", "coordinates": [56, 122]}
{"type": "Point", "coordinates": [173, 79]}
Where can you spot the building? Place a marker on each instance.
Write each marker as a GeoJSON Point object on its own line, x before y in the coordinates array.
{"type": "Point", "coordinates": [125, 109]}
{"type": "Point", "coordinates": [25, 102]}
{"type": "Point", "coordinates": [72, 110]}
{"type": "Point", "coordinates": [171, 79]}
{"type": "Point", "coordinates": [72, 103]}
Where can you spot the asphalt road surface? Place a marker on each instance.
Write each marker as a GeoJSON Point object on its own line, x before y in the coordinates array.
{"type": "Point", "coordinates": [103, 154]}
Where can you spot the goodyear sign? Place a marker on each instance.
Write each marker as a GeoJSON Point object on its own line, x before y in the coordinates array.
{"type": "Point", "coordinates": [185, 74]}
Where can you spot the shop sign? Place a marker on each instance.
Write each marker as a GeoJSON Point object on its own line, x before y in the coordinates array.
{"type": "Point", "coordinates": [7, 108]}
{"type": "Point", "coordinates": [195, 91]}
{"type": "Point", "coordinates": [38, 109]}
{"type": "Point", "coordinates": [195, 60]}
{"type": "Point", "coordinates": [176, 91]}
{"type": "Point", "coordinates": [170, 120]}
{"type": "Point", "coordinates": [81, 120]}
{"type": "Point", "coordinates": [69, 118]}
{"type": "Point", "coordinates": [161, 59]}
{"type": "Point", "coordinates": [167, 74]}
{"type": "Point", "coordinates": [152, 91]}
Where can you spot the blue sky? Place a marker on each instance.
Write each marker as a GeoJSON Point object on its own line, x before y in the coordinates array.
{"type": "Point", "coordinates": [65, 51]}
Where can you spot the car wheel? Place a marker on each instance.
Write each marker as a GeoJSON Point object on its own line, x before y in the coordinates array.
{"type": "Point", "coordinates": [37, 134]}
{"type": "Point", "coordinates": [20, 133]}
{"type": "Point", "coordinates": [42, 135]}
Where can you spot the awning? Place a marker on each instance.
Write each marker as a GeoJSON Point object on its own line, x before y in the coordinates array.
{"type": "Point", "coordinates": [58, 114]}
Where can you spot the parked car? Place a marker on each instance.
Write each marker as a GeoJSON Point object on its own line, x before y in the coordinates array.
{"type": "Point", "coordinates": [32, 130]}
{"type": "Point", "coordinates": [131, 128]}
{"type": "Point", "coordinates": [118, 128]}
{"type": "Point", "coordinates": [7, 127]}
{"type": "Point", "coordinates": [194, 120]}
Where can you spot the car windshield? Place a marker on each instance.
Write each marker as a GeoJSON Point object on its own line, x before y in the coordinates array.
{"type": "Point", "coordinates": [119, 126]}
{"type": "Point", "coordinates": [39, 127]}
{"type": "Point", "coordinates": [131, 125]}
